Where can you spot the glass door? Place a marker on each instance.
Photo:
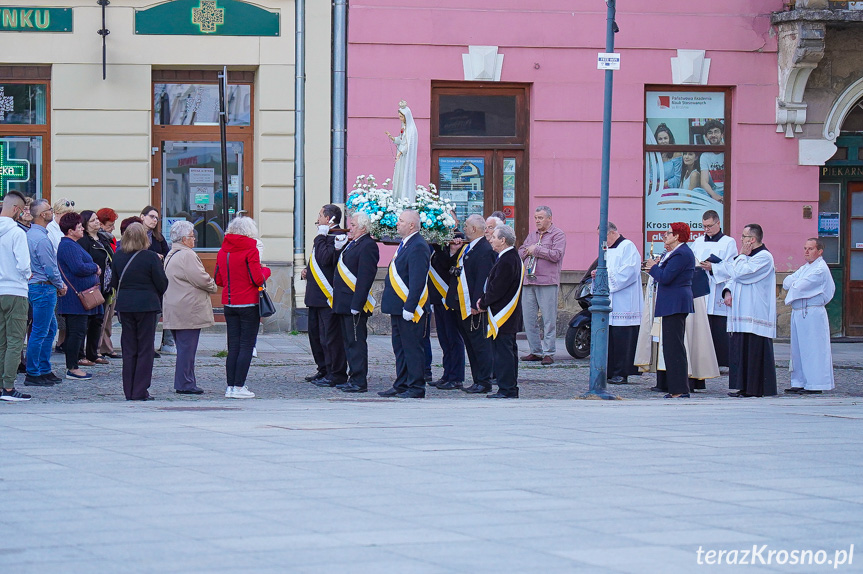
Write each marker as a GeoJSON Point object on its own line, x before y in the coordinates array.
{"type": "Point", "coordinates": [192, 187]}
{"type": "Point", "coordinates": [465, 179]}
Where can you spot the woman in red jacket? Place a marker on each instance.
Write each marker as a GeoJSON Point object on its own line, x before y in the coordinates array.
{"type": "Point", "coordinates": [239, 272]}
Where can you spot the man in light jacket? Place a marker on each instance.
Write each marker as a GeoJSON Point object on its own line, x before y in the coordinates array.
{"type": "Point", "coordinates": [14, 273]}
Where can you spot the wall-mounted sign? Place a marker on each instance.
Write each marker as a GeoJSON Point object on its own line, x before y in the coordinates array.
{"type": "Point", "coordinates": [607, 61]}
{"type": "Point", "coordinates": [35, 19]}
{"type": "Point", "coordinates": [207, 17]}
{"type": "Point", "coordinates": [828, 225]}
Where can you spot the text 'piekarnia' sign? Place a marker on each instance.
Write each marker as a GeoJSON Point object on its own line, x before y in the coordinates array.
{"type": "Point", "coordinates": [35, 19]}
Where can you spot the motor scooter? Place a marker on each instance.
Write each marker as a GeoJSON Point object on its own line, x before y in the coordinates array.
{"type": "Point", "coordinates": [578, 333]}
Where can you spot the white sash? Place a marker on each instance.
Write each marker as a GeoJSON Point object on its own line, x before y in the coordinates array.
{"type": "Point", "coordinates": [496, 321]}
{"type": "Point", "coordinates": [463, 289]}
{"type": "Point", "coordinates": [321, 279]}
{"type": "Point", "coordinates": [351, 281]}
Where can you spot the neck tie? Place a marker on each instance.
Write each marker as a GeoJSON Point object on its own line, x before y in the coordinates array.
{"type": "Point", "coordinates": [399, 250]}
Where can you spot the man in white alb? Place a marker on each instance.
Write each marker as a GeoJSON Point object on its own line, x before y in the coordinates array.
{"type": "Point", "coordinates": [627, 300]}
{"type": "Point", "coordinates": [810, 288]}
{"type": "Point", "coordinates": [751, 296]}
{"type": "Point", "coordinates": [708, 248]}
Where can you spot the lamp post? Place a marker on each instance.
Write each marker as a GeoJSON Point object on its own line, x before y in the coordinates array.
{"type": "Point", "coordinates": [600, 306]}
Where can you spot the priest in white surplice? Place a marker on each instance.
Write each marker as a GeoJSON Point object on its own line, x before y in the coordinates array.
{"type": "Point", "coordinates": [710, 247]}
{"type": "Point", "coordinates": [750, 294]}
{"type": "Point", "coordinates": [810, 288]}
{"type": "Point", "coordinates": [627, 300]}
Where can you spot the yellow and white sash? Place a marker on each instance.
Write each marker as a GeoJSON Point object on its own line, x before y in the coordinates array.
{"type": "Point", "coordinates": [351, 280]}
{"type": "Point", "coordinates": [463, 290]}
{"type": "Point", "coordinates": [496, 321]}
{"type": "Point", "coordinates": [439, 284]}
{"type": "Point", "coordinates": [321, 279]}
{"type": "Point", "coordinates": [402, 290]}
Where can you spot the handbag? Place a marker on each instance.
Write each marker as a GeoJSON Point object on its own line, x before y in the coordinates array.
{"type": "Point", "coordinates": [91, 297]}
{"type": "Point", "coordinates": [266, 307]}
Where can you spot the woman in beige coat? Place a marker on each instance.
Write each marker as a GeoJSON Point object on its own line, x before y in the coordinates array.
{"type": "Point", "coordinates": [186, 307]}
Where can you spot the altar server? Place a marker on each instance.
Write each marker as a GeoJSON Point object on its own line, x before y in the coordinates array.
{"type": "Point", "coordinates": [750, 294]}
{"type": "Point", "coordinates": [810, 288]}
{"type": "Point", "coordinates": [711, 247]}
{"type": "Point", "coordinates": [627, 300]}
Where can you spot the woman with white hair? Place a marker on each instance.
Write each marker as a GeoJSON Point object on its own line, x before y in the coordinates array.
{"type": "Point", "coordinates": [186, 306]}
{"type": "Point", "coordinates": [240, 273]}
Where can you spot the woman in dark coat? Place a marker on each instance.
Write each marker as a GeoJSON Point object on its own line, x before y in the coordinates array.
{"type": "Point", "coordinates": [150, 219]}
{"type": "Point", "coordinates": [139, 302]}
{"type": "Point", "coordinates": [674, 302]}
{"type": "Point", "coordinates": [79, 272]}
{"type": "Point", "coordinates": [102, 255]}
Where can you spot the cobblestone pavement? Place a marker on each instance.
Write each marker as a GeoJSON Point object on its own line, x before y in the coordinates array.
{"type": "Point", "coordinates": [284, 359]}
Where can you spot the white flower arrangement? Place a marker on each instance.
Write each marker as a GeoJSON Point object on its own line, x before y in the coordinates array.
{"type": "Point", "coordinates": [436, 220]}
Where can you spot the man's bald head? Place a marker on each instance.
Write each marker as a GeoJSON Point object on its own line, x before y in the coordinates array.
{"type": "Point", "coordinates": [474, 226]}
{"type": "Point", "coordinates": [409, 222]}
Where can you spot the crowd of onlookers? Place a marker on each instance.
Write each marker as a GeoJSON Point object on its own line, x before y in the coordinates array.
{"type": "Point", "coordinates": [64, 276]}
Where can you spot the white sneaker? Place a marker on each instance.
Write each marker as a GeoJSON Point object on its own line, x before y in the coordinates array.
{"type": "Point", "coordinates": [229, 393]}
{"type": "Point", "coordinates": [168, 350]}
{"type": "Point", "coordinates": [242, 393]}
{"type": "Point", "coordinates": [254, 351]}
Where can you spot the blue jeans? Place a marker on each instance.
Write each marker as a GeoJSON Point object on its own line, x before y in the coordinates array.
{"type": "Point", "coordinates": [43, 299]}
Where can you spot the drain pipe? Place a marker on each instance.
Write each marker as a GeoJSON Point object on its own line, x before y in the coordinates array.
{"type": "Point", "coordinates": [338, 178]}
{"type": "Point", "coordinates": [300, 321]}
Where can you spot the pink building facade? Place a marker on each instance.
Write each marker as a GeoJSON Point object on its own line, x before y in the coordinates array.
{"type": "Point", "coordinates": [508, 99]}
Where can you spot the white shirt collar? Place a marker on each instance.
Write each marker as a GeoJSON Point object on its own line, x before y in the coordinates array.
{"type": "Point", "coordinates": [473, 243]}
{"type": "Point", "coordinates": [505, 250]}
{"type": "Point", "coordinates": [408, 238]}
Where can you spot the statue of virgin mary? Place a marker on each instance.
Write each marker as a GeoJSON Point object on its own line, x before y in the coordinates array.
{"type": "Point", "coordinates": [405, 173]}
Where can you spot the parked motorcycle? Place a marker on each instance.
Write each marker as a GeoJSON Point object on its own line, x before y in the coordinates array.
{"type": "Point", "coordinates": [578, 334]}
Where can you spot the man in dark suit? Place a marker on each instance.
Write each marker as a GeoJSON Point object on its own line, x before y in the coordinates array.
{"type": "Point", "coordinates": [471, 263]}
{"type": "Point", "coordinates": [446, 320]}
{"type": "Point", "coordinates": [356, 265]}
{"type": "Point", "coordinates": [325, 334]}
{"type": "Point", "coordinates": [674, 302]}
{"type": "Point", "coordinates": [502, 299]}
{"type": "Point", "coordinates": [405, 299]}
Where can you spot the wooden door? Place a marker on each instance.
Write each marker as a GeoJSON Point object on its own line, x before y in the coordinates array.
{"type": "Point", "coordinates": [854, 258]}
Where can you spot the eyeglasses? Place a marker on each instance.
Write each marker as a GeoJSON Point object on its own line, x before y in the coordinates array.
{"type": "Point", "coordinates": [710, 225]}
{"type": "Point", "coordinates": [151, 216]}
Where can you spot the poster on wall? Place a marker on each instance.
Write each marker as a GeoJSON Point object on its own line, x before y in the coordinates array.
{"type": "Point", "coordinates": [681, 184]}
{"type": "Point", "coordinates": [462, 181]}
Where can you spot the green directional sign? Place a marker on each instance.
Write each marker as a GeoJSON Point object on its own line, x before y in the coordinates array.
{"type": "Point", "coordinates": [207, 18]}
{"type": "Point", "coordinates": [35, 19]}
{"type": "Point", "coordinates": [11, 170]}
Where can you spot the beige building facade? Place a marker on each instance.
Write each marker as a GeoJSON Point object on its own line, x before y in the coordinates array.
{"type": "Point", "coordinates": [148, 134]}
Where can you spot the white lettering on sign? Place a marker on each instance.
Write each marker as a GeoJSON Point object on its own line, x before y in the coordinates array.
{"type": "Point", "coordinates": [606, 61]}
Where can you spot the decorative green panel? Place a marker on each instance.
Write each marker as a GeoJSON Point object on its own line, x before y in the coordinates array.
{"type": "Point", "coordinates": [35, 19]}
{"type": "Point", "coordinates": [207, 18]}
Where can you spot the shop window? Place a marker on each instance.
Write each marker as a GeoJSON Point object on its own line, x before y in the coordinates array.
{"type": "Point", "coordinates": [478, 116]}
{"type": "Point", "coordinates": [829, 214]}
{"type": "Point", "coordinates": [687, 153]}
{"type": "Point", "coordinates": [24, 129]}
{"type": "Point", "coordinates": [198, 104]}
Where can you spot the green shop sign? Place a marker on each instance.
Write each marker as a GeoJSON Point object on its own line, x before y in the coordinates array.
{"type": "Point", "coordinates": [18, 19]}
{"type": "Point", "coordinates": [207, 17]}
{"type": "Point", "coordinates": [11, 170]}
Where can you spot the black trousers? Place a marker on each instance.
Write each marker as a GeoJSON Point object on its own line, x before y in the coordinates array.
{"type": "Point", "coordinates": [325, 339]}
{"type": "Point", "coordinates": [753, 366]}
{"type": "Point", "coordinates": [675, 378]}
{"type": "Point", "coordinates": [242, 323]}
{"type": "Point", "coordinates": [94, 335]}
{"type": "Point", "coordinates": [622, 341]}
{"type": "Point", "coordinates": [76, 332]}
{"type": "Point", "coordinates": [355, 334]}
{"type": "Point", "coordinates": [506, 363]}
{"type": "Point", "coordinates": [407, 338]}
{"type": "Point", "coordinates": [474, 332]}
{"type": "Point", "coordinates": [136, 340]}
{"type": "Point", "coordinates": [721, 337]}
{"type": "Point", "coordinates": [451, 344]}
